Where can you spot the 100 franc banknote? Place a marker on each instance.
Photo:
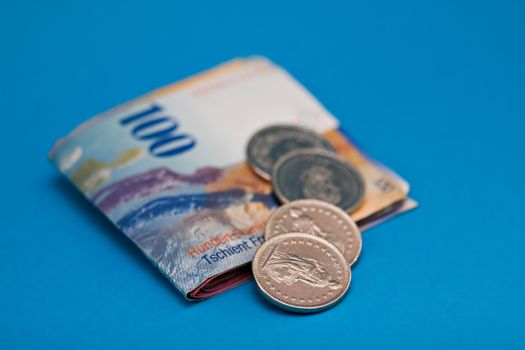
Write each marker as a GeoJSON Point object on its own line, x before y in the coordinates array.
{"type": "Point", "coordinates": [169, 170]}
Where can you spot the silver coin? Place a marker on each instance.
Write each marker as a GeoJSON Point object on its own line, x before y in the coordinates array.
{"type": "Point", "coordinates": [271, 143]}
{"type": "Point", "coordinates": [321, 219]}
{"type": "Point", "coordinates": [318, 174]}
{"type": "Point", "coordinates": [301, 272]}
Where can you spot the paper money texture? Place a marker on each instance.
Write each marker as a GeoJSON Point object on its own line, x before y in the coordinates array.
{"type": "Point", "coordinates": [168, 169]}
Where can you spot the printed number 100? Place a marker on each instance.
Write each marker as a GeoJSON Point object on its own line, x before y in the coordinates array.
{"type": "Point", "coordinates": [160, 131]}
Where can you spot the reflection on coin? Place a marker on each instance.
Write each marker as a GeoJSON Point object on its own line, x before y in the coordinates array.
{"type": "Point", "coordinates": [301, 272]}
{"type": "Point", "coordinates": [269, 144]}
{"type": "Point", "coordinates": [318, 174]}
{"type": "Point", "coordinates": [318, 218]}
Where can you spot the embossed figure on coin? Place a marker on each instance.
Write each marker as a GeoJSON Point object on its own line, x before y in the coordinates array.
{"type": "Point", "coordinates": [318, 184]}
{"type": "Point", "coordinates": [304, 223]}
{"type": "Point", "coordinates": [318, 174]}
{"type": "Point", "coordinates": [290, 268]}
{"type": "Point", "coordinates": [301, 272]}
{"type": "Point", "coordinates": [320, 219]}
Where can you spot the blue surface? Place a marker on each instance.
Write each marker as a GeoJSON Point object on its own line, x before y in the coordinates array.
{"type": "Point", "coordinates": [434, 89]}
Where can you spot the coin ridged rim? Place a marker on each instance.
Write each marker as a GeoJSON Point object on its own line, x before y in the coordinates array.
{"type": "Point", "coordinates": [314, 151]}
{"type": "Point", "coordinates": [293, 307]}
{"type": "Point", "coordinates": [328, 207]}
{"type": "Point", "coordinates": [268, 175]}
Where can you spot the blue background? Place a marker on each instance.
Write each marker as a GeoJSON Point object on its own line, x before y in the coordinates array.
{"type": "Point", "coordinates": [434, 89]}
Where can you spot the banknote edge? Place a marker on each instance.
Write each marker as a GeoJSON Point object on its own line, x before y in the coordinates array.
{"type": "Point", "coordinates": [184, 82]}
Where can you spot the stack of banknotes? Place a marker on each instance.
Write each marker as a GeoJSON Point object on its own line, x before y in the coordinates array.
{"type": "Point", "coordinates": [169, 169]}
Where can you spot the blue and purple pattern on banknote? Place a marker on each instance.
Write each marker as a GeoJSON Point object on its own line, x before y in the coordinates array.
{"type": "Point", "coordinates": [168, 169]}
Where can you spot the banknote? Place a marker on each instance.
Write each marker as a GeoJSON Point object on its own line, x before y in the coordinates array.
{"type": "Point", "coordinates": [169, 170]}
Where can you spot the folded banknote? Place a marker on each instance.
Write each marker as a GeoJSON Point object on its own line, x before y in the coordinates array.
{"type": "Point", "coordinates": [169, 170]}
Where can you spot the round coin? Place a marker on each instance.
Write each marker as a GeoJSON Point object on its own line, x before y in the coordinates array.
{"type": "Point", "coordinates": [271, 143]}
{"type": "Point", "coordinates": [321, 219]}
{"type": "Point", "coordinates": [301, 272]}
{"type": "Point", "coordinates": [318, 174]}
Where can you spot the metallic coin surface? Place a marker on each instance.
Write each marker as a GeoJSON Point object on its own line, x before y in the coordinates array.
{"type": "Point", "coordinates": [301, 272]}
{"type": "Point", "coordinates": [321, 219]}
{"type": "Point", "coordinates": [271, 143]}
{"type": "Point", "coordinates": [318, 174]}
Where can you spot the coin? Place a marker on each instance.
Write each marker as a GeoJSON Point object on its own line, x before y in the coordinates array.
{"type": "Point", "coordinates": [318, 174]}
{"type": "Point", "coordinates": [321, 219]}
{"type": "Point", "coordinates": [269, 144]}
{"type": "Point", "coordinates": [301, 272]}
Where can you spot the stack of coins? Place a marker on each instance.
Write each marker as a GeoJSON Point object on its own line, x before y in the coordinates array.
{"type": "Point", "coordinates": [310, 241]}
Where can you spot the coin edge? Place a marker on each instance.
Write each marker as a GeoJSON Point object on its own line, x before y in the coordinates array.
{"type": "Point", "coordinates": [268, 175]}
{"type": "Point", "coordinates": [295, 308]}
{"type": "Point", "coordinates": [325, 204]}
{"type": "Point", "coordinates": [332, 155]}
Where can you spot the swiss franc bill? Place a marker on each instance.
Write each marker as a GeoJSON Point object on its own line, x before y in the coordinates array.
{"type": "Point", "coordinates": [169, 170]}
